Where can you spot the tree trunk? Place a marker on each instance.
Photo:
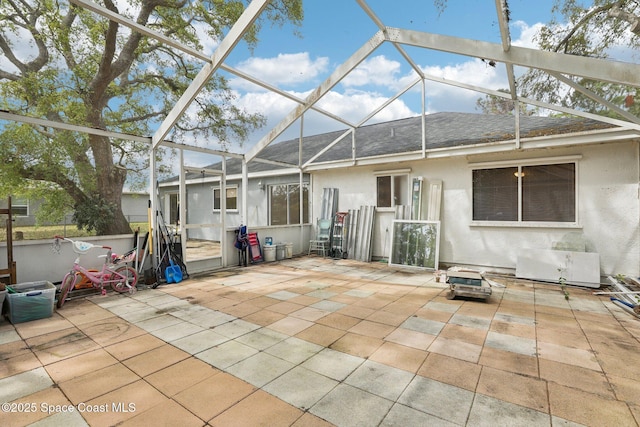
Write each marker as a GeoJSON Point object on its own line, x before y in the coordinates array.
{"type": "Point", "coordinates": [120, 224]}
{"type": "Point", "coordinates": [110, 181]}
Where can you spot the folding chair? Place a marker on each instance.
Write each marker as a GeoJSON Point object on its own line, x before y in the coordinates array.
{"type": "Point", "coordinates": [321, 243]}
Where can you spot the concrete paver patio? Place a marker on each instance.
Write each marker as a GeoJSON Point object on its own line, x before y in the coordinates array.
{"type": "Point", "coordinates": [317, 342]}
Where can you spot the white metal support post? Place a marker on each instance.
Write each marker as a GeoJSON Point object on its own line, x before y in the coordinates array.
{"type": "Point", "coordinates": [182, 212]}
{"type": "Point", "coordinates": [223, 211]}
{"type": "Point", "coordinates": [153, 226]}
{"type": "Point", "coordinates": [301, 176]}
{"type": "Point", "coordinates": [245, 187]}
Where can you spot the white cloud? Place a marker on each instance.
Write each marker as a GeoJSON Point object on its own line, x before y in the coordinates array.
{"type": "Point", "coordinates": [356, 105]}
{"type": "Point", "coordinates": [443, 97]}
{"type": "Point", "coordinates": [473, 72]}
{"type": "Point", "coordinates": [209, 44]}
{"type": "Point", "coordinates": [285, 69]}
{"type": "Point", "coordinates": [261, 102]}
{"type": "Point", "coordinates": [353, 106]}
{"type": "Point", "coordinates": [377, 70]}
{"type": "Point", "coordinates": [528, 33]}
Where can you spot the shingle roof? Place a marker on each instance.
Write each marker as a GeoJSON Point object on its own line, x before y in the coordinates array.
{"type": "Point", "coordinates": [404, 136]}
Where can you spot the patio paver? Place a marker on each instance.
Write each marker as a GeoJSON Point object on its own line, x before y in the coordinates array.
{"type": "Point", "coordinates": [319, 342]}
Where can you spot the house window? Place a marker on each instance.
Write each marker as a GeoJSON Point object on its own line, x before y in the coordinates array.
{"type": "Point", "coordinates": [284, 204]}
{"type": "Point", "coordinates": [232, 199]}
{"type": "Point", "coordinates": [536, 193]}
{"type": "Point", "coordinates": [392, 190]}
{"type": "Point", "coordinates": [20, 207]}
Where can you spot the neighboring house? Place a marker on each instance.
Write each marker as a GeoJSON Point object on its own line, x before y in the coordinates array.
{"type": "Point", "coordinates": [564, 183]}
{"type": "Point", "coordinates": [134, 206]}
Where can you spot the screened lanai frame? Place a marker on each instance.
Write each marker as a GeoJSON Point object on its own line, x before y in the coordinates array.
{"type": "Point", "coordinates": [558, 65]}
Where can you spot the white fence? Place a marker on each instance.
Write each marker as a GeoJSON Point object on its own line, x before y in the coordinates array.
{"type": "Point", "coordinates": [36, 260]}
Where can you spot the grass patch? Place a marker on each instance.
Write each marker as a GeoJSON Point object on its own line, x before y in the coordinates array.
{"type": "Point", "coordinates": [48, 231]}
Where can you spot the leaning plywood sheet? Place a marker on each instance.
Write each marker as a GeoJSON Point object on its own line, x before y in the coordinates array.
{"type": "Point", "coordinates": [578, 268]}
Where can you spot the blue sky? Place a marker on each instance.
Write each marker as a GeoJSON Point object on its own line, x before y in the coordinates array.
{"type": "Point", "coordinates": [333, 30]}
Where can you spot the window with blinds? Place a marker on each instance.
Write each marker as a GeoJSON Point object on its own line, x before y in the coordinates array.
{"type": "Point", "coordinates": [537, 193]}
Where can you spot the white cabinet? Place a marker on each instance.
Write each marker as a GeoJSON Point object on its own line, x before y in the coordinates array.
{"type": "Point", "coordinates": [578, 268]}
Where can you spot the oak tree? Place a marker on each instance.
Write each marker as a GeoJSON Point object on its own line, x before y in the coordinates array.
{"type": "Point", "coordinates": [65, 64]}
{"type": "Point", "coordinates": [598, 30]}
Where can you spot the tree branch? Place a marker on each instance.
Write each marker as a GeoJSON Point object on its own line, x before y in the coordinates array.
{"type": "Point", "coordinates": [585, 18]}
{"type": "Point", "coordinates": [617, 12]}
{"type": "Point", "coordinates": [27, 22]}
{"type": "Point", "coordinates": [57, 177]}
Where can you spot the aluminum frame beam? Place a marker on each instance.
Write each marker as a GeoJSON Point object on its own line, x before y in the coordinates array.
{"type": "Point", "coordinates": [363, 121]}
{"type": "Point", "coordinates": [248, 17]}
{"type": "Point", "coordinates": [341, 71]}
{"type": "Point", "coordinates": [205, 150]}
{"type": "Point", "coordinates": [505, 34]}
{"type": "Point", "coordinates": [5, 115]}
{"type": "Point", "coordinates": [103, 11]}
{"type": "Point", "coordinates": [596, 69]}
{"type": "Point", "coordinates": [597, 98]}
{"type": "Point", "coordinates": [100, 10]}
{"type": "Point", "coordinates": [592, 68]}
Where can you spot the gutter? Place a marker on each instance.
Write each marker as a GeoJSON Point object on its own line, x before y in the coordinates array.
{"type": "Point", "coordinates": [234, 177]}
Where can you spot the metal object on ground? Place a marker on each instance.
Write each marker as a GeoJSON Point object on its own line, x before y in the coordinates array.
{"type": "Point", "coordinates": [467, 283]}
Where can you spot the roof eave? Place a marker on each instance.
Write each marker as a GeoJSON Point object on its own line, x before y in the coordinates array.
{"type": "Point", "coordinates": [562, 140]}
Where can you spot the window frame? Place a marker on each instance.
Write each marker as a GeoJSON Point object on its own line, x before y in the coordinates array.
{"type": "Point", "coordinates": [22, 204]}
{"type": "Point", "coordinates": [519, 164]}
{"type": "Point", "coordinates": [227, 188]}
{"type": "Point", "coordinates": [288, 185]}
{"type": "Point", "coordinates": [404, 173]}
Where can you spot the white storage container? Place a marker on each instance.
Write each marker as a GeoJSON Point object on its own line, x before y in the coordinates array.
{"type": "Point", "coordinates": [288, 250]}
{"type": "Point", "coordinates": [269, 252]}
{"type": "Point", "coordinates": [31, 301]}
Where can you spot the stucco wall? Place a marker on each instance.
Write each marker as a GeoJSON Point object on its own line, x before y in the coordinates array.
{"type": "Point", "coordinates": [608, 208]}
